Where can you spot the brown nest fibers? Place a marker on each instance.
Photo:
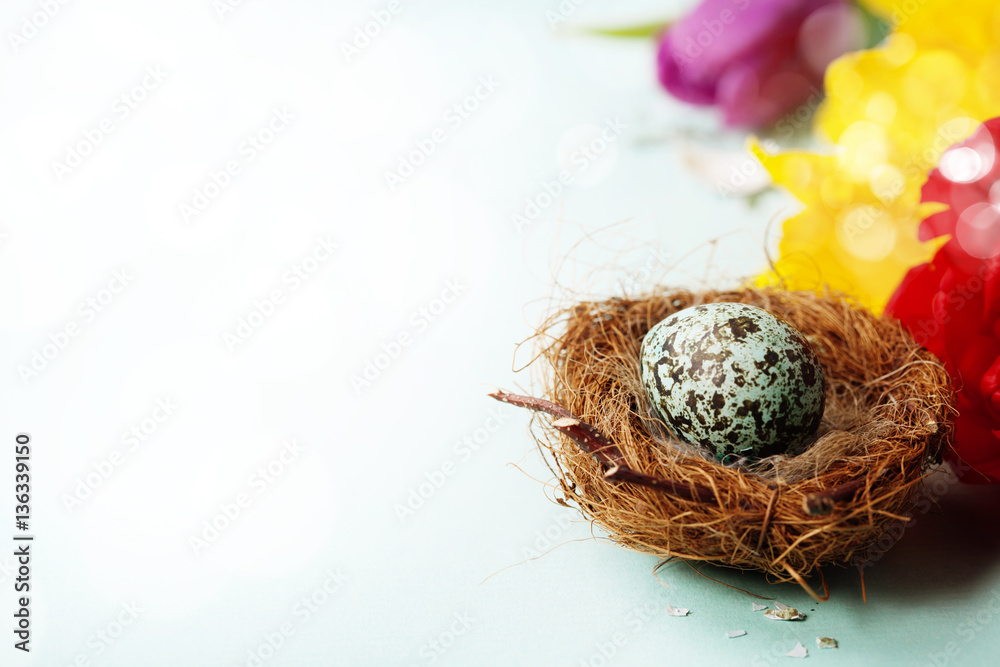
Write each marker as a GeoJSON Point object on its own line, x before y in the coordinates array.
{"type": "Point", "coordinates": [887, 417]}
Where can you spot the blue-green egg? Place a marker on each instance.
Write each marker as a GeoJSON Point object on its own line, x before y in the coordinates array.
{"type": "Point", "coordinates": [734, 379]}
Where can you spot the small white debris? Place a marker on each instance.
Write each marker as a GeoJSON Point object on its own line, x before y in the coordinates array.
{"type": "Point", "coordinates": [732, 634]}
{"type": "Point", "coordinates": [798, 652]}
{"type": "Point", "coordinates": [786, 614]}
{"type": "Point", "coordinates": [674, 611]}
{"type": "Point", "coordinates": [757, 607]}
{"type": "Point", "coordinates": [826, 642]}
{"type": "Point", "coordinates": [565, 422]}
{"type": "Point", "coordinates": [779, 605]}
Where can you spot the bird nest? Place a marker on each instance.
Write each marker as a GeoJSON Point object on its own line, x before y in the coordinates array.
{"type": "Point", "coordinates": [887, 417]}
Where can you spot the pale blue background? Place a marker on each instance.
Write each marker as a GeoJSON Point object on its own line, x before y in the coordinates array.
{"type": "Point", "coordinates": [639, 213]}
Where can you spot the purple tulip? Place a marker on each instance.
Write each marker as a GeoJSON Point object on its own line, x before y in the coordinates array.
{"type": "Point", "coordinates": [756, 59]}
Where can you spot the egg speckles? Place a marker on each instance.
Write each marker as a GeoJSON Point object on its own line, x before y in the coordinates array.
{"type": "Point", "coordinates": [733, 378]}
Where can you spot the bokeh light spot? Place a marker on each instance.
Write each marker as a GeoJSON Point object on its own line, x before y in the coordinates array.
{"type": "Point", "coordinates": [934, 81]}
{"type": "Point", "coordinates": [866, 232]}
{"type": "Point", "coordinates": [961, 165]}
{"type": "Point", "coordinates": [887, 183]}
{"type": "Point", "coordinates": [881, 108]}
{"type": "Point", "coordinates": [900, 49]}
{"type": "Point", "coordinates": [844, 83]}
{"type": "Point", "coordinates": [978, 230]}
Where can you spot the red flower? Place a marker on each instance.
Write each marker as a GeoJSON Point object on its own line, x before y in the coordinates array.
{"type": "Point", "coordinates": [968, 180]}
{"type": "Point", "coordinates": [952, 304]}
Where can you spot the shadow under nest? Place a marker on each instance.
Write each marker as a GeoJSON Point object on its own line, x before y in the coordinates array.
{"type": "Point", "coordinates": [888, 416]}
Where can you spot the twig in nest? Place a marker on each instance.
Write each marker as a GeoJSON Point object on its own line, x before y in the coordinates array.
{"type": "Point", "coordinates": [686, 491]}
{"type": "Point", "coordinates": [593, 442]}
{"type": "Point", "coordinates": [821, 504]}
{"type": "Point", "coordinates": [586, 436]}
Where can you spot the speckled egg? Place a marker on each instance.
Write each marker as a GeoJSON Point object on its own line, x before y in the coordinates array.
{"type": "Point", "coordinates": [733, 378]}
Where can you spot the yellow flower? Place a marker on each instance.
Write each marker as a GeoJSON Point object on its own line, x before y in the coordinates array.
{"type": "Point", "coordinates": [855, 234]}
{"type": "Point", "coordinates": [890, 113]}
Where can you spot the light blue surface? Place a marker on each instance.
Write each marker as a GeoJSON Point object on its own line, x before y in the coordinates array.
{"type": "Point", "coordinates": [401, 533]}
